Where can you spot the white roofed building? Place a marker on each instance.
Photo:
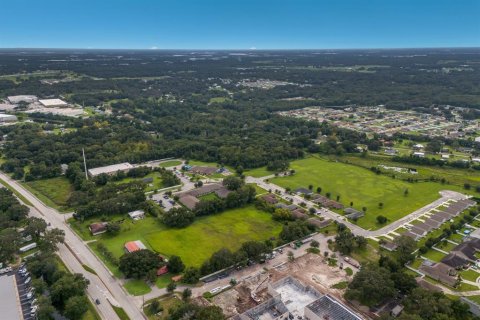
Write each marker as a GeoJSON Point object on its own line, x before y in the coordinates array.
{"type": "Point", "coordinates": [24, 98]}
{"type": "Point", "coordinates": [137, 214]}
{"type": "Point", "coordinates": [53, 103]}
{"type": "Point", "coordinates": [111, 170]}
{"type": "Point", "coordinates": [7, 118]}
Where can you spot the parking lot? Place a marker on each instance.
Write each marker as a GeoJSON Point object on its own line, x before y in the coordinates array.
{"type": "Point", "coordinates": [26, 294]}
{"type": "Point", "coordinates": [17, 285]}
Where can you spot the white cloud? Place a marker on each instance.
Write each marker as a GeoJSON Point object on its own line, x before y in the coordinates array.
{"type": "Point", "coordinates": [253, 48]}
{"type": "Point", "coordinates": [154, 48]}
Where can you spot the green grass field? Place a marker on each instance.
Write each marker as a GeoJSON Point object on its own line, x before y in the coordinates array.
{"type": "Point", "coordinates": [362, 187]}
{"type": "Point", "coordinates": [195, 243]}
{"type": "Point", "coordinates": [53, 192]}
{"type": "Point", "coordinates": [156, 184]}
{"type": "Point", "coordinates": [137, 287]}
{"type": "Point", "coordinates": [453, 176]}
{"type": "Point", "coordinates": [170, 163]}
{"type": "Point", "coordinates": [258, 172]}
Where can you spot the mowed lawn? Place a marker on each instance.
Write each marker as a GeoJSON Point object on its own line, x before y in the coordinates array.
{"type": "Point", "coordinates": [53, 192]}
{"type": "Point", "coordinates": [196, 243]}
{"type": "Point", "coordinates": [362, 187]}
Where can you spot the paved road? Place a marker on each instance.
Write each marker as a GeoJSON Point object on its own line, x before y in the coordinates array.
{"type": "Point", "coordinates": [75, 252]}
{"type": "Point", "coordinates": [445, 196]}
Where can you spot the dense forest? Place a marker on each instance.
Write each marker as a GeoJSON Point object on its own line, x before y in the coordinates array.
{"type": "Point", "coordinates": [216, 106]}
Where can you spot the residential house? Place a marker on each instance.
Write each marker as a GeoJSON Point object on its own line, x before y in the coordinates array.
{"type": "Point", "coordinates": [133, 246]}
{"type": "Point", "coordinates": [98, 228]}
{"type": "Point", "coordinates": [269, 198]}
{"type": "Point", "coordinates": [440, 272]}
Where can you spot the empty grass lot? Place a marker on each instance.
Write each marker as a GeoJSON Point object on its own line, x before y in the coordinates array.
{"type": "Point", "coordinates": [195, 243]}
{"type": "Point", "coordinates": [362, 187]}
{"type": "Point", "coordinates": [151, 186]}
{"type": "Point", "coordinates": [53, 192]}
{"type": "Point", "coordinates": [170, 163]}
{"type": "Point", "coordinates": [258, 172]}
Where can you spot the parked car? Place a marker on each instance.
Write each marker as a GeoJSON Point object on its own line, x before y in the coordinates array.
{"type": "Point", "coordinates": [5, 270]}
{"type": "Point", "coordinates": [28, 280]}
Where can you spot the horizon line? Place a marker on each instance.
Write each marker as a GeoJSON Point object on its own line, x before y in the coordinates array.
{"type": "Point", "coordinates": [239, 49]}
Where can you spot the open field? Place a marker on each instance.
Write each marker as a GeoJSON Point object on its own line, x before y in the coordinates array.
{"type": "Point", "coordinates": [195, 243]}
{"type": "Point", "coordinates": [170, 163]}
{"type": "Point", "coordinates": [453, 176]}
{"type": "Point", "coordinates": [258, 172]}
{"type": "Point", "coordinates": [53, 192]}
{"type": "Point", "coordinates": [156, 184]}
{"type": "Point", "coordinates": [362, 187]}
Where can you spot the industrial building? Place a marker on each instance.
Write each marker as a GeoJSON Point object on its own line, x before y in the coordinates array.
{"type": "Point", "coordinates": [111, 170]}
{"type": "Point", "coordinates": [23, 98]}
{"type": "Point", "coordinates": [7, 118]}
{"type": "Point", "coordinates": [291, 299]}
{"type": "Point", "coordinates": [9, 298]}
{"type": "Point", "coordinates": [53, 103]}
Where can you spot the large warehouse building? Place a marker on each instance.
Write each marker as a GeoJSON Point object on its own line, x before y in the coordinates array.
{"type": "Point", "coordinates": [9, 299]}
{"type": "Point", "coordinates": [7, 118]}
{"type": "Point", "coordinates": [53, 103]}
{"type": "Point", "coordinates": [110, 170]}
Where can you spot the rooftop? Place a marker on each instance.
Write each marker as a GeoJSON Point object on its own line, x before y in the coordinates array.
{"type": "Point", "coordinates": [110, 169]}
{"type": "Point", "coordinates": [52, 102]}
{"type": "Point", "coordinates": [133, 246]}
{"type": "Point", "coordinates": [9, 300]}
{"type": "Point", "coordinates": [328, 307]}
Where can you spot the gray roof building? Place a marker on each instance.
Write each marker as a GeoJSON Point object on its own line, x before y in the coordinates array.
{"type": "Point", "coordinates": [328, 307]}
{"type": "Point", "coordinates": [9, 299]}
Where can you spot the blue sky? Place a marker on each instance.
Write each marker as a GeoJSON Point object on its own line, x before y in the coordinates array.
{"type": "Point", "coordinates": [241, 24]}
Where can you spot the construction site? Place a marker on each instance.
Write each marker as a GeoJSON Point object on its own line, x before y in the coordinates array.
{"type": "Point", "coordinates": [285, 288]}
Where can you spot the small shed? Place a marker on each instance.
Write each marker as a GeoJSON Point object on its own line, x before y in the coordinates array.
{"type": "Point", "coordinates": [137, 214]}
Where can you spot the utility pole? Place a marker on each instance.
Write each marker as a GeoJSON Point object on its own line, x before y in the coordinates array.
{"type": "Point", "coordinates": [85, 164]}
